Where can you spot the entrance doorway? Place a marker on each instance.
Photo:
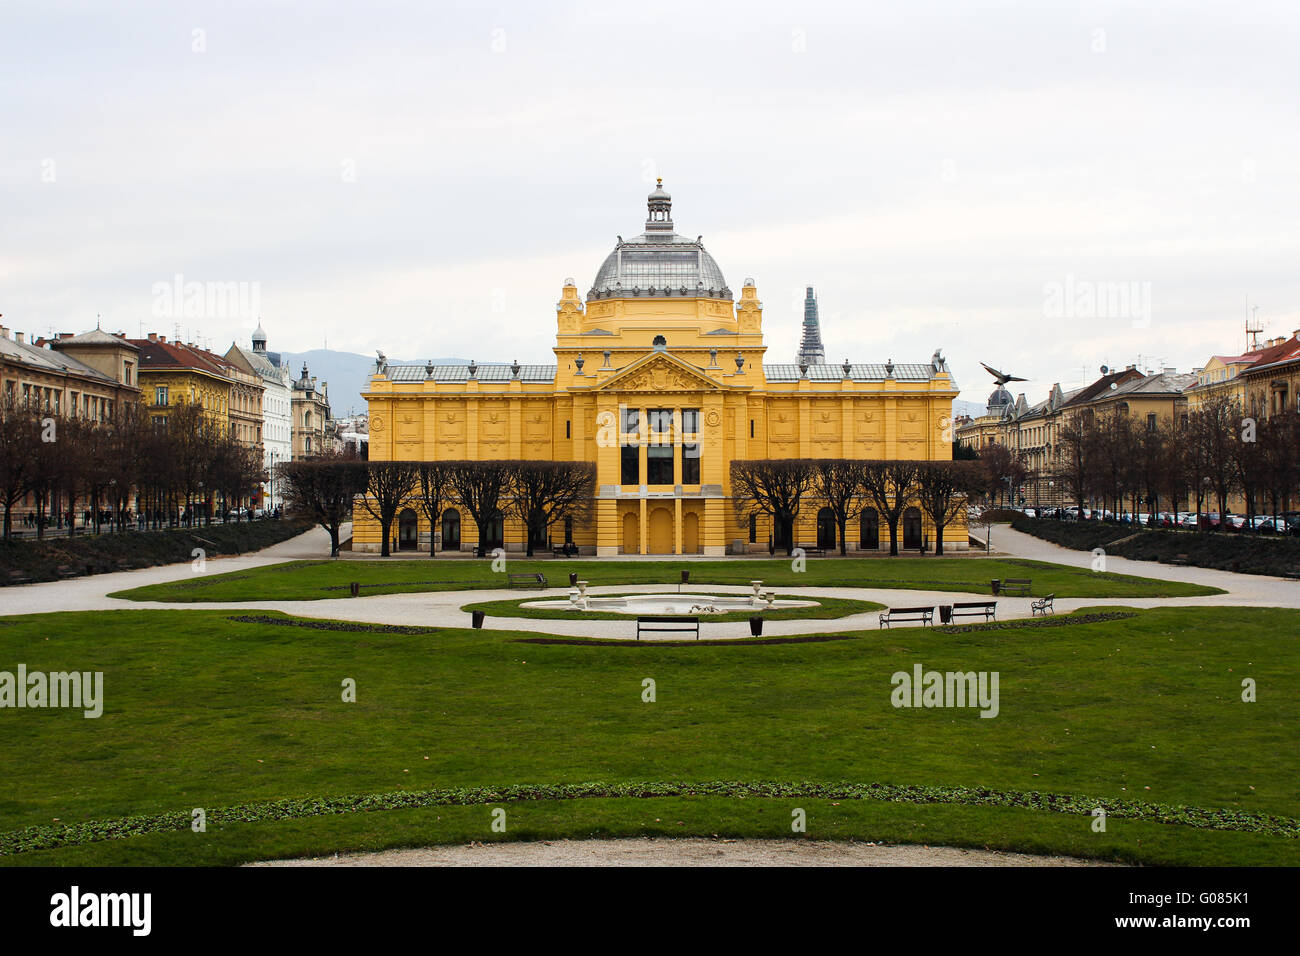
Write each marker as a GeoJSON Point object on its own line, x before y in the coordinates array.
{"type": "Point", "coordinates": [869, 530]}
{"type": "Point", "coordinates": [408, 538]}
{"type": "Point", "coordinates": [912, 529]}
{"type": "Point", "coordinates": [451, 530]}
{"type": "Point", "coordinates": [690, 533]}
{"type": "Point", "coordinates": [826, 529]}
{"type": "Point", "coordinates": [631, 533]}
{"type": "Point", "coordinates": [661, 531]}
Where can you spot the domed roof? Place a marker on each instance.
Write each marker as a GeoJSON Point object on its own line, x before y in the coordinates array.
{"type": "Point", "coordinates": [999, 399]}
{"type": "Point", "coordinates": [659, 262]}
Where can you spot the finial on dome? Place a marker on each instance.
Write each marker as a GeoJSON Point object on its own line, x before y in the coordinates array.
{"type": "Point", "coordinates": [661, 208]}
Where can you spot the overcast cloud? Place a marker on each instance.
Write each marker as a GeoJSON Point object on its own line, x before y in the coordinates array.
{"type": "Point", "coordinates": [421, 178]}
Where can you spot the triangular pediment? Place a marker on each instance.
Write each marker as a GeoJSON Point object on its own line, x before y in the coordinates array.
{"type": "Point", "coordinates": [659, 372]}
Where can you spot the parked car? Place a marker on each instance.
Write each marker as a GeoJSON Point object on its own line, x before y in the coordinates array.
{"type": "Point", "coordinates": [1231, 522]}
{"type": "Point", "coordinates": [1267, 524]}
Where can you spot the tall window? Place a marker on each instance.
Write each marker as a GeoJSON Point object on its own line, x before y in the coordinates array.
{"type": "Point", "coordinates": [1151, 423]}
{"type": "Point", "coordinates": [753, 529]}
{"type": "Point", "coordinates": [632, 421]}
{"type": "Point", "coordinates": [691, 464]}
{"type": "Point", "coordinates": [631, 464]}
{"type": "Point", "coordinates": [690, 421]}
{"type": "Point", "coordinates": [660, 420]}
{"type": "Point", "coordinates": [160, 395]}
{"type": "Point", "coordinates": [659, 465]}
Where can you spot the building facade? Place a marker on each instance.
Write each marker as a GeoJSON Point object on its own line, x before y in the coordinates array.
{"type": "Point", "coordinates": [277, 410]}
{"type": "Point", "coordinates": [310, 412]}
{"type": "Point", "coordinates": [92, 376]}
{"type": "Point", "coordinates": [659, 380]}
{"type": "Point", "coordinates": [173, 373]}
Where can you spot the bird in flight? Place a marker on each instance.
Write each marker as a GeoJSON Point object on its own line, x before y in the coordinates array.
{"type": "Point", "coordinates": [1002, 377]}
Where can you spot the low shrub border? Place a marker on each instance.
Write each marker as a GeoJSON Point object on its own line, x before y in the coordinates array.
{"type": "Point", "coordinates": [323, 625]}
{"type": "Point", "coordinates": [25, 561]}
{"type": "Point", "coordinates": [746, 642]}
{"type": "Point", "coordinates": [45, 837]}
{"type": "Point", "coordinates": [1243, 552]}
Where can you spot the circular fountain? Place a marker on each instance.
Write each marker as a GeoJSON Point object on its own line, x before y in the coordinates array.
{"type": "Point", "coordinates": [668, 603]}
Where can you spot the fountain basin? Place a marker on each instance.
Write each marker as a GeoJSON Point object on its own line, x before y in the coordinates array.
{"type": "Point", "coordinates": [671, 603]}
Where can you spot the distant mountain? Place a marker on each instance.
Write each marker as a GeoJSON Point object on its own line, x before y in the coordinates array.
{"type": "Point", "coordinates": [346, 372]}
{"type": "Point", "coordinates": [973, 409]}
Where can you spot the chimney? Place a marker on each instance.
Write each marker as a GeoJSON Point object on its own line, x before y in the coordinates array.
{"type": "Point", "coordinates": [162, 338]}
{"type": "Point", "coordinates": [4, 333]}
{"type": "Point", "coordinates": [153, 336]}
{"type": "Point", "coordinates": [1171, 371]}
{"type": "Point", "coordinates": [1130, 368]}
{"type": "Point", "coordinates": [18, 337]}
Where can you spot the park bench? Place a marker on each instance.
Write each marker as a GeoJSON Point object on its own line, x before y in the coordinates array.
{"type": "Point", "coordinates": [1178, 559]}
{"type": "Point", "coordinates": [985, 609]}
{"type": "Point", "coordinates": [675, 625]}
{"type": "Point", "coordinates": [923, 614]}
{"type": "Point", "coordinates": [533, 579]}
{"type": "Point", "coordinates": [19, 577]}
{"type": "Point", "coordinates": [813, 552]}
{"type": "Point", "coordinates": [1016, 586]}
{"type": "Point", "coordinates": [1043, 606]}
{"type": "Point", "coordinates": [569, 550]}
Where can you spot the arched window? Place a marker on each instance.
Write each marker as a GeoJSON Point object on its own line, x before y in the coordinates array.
{"type": "Point", "coordinates": [451, 530]}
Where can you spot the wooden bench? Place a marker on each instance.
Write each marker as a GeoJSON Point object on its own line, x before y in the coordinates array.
{"type": "Point", "coordinates": [19, 577]}
{"type": "Point", "coordinates": [985, 609]}
{"type": "Point", "coordinates": [533, 579]}
{"type": "Point", "coordinates": [813, 552]}
{"type": "Point", "coordinates": [1043, 606]}
{"type": "Point", "coordinates": [675, 625]}
{"type": "Point", "coordinates": [923, 614]}
{"type": "Point", "coordinates": [1016, 586]}
{"type": "Point", "coordinates": [564, 551]}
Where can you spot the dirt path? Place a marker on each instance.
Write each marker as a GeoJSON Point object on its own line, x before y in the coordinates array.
{"type": "Point", "coordinates": [678, 852]}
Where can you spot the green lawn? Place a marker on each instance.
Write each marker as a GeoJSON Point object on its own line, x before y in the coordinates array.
{"type": "Point", "coordinates": [826, 609]}
{"type": "Point", "coordinates": [318, 580]}
{"type": "Point", "coordinates": [205, 712]}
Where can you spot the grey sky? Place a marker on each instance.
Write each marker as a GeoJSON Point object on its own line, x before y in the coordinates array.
{"type": "Point", "coordinates": [421, 178]}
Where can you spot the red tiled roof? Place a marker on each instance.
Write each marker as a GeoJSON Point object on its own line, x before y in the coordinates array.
{"type": "Point", "coordinates": [161, 354]}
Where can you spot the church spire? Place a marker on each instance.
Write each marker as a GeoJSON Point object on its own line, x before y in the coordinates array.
{"type": "Point", "coordinates": [811, 350]}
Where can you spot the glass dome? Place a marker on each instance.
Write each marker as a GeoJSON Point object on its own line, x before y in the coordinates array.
{"type": "Point", "coordinates": [659, 262]}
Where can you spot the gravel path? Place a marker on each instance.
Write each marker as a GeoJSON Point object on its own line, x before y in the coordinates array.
{"type": "Point", "coordinates": [680, 852]}
{"type": "Point", "coordinates": [443, 608]}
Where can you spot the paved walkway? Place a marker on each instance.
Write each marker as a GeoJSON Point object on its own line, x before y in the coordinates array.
{"type": "Point", "coordinates": [639, 851]}
{"type": "Point", "coordinates": [443, 608]}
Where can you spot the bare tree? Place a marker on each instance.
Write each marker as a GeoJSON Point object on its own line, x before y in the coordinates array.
{"type": "Point", "coordinates": [891, 485]}
{"type": "Point", "coordinates": [774, 487]}
{"type": "Point", "coordinates": [435, 488]}
{"type": "Point", "coordinates": [324, 488]}
{"type": "Point", "coordinates": [388, 485]}
{"type": "Point", "coordinates": [19, 433]}
{"type": "Point", "coordinates": [482, 487]}
{"type": "Point", "coordinates": [544, 492]}
{"type": "Point", "coordinates": [942, 488]}
{"type": "Point", "coordinates": [838, 482]}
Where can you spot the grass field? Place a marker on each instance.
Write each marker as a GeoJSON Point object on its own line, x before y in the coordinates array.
{"type": "Point", "coordinates": [827, 609]}
{"type": "Point", "coordinates": [319, 580]}
{"type": "Point", "coordinates": [205, 712]}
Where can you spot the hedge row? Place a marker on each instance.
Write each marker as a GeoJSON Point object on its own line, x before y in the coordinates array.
{"type": "Point", "coordinates": [1244, 552]}
{"type": "Point", "coordinates": [46, 837]}
{"type": "Point", "coordinates": [62, 557]}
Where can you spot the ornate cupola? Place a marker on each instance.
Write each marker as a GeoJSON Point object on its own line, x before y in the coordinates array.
{"type": "Point", "coordinates": [660, 204]}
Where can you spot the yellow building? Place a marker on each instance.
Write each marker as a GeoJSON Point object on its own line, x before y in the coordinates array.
{"type": "Point", "coordinates": [659, 380]}
{"type": "Point", "coordinates": [174, 374]}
